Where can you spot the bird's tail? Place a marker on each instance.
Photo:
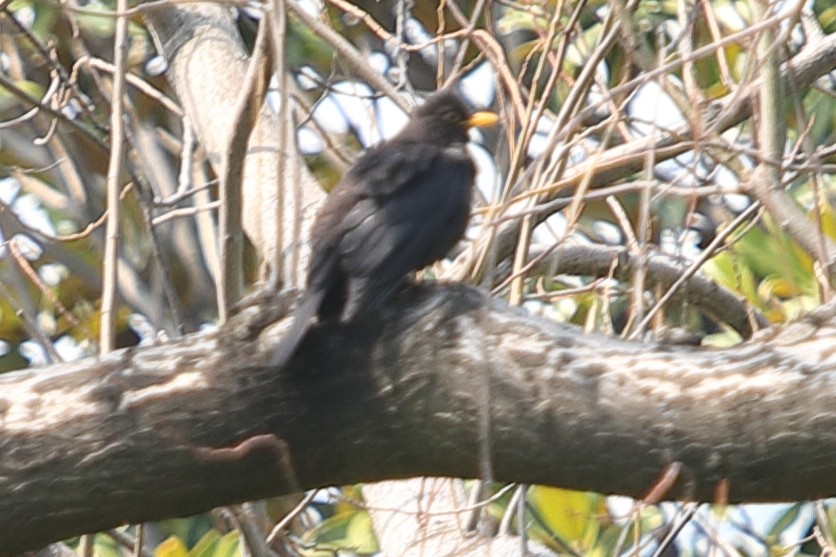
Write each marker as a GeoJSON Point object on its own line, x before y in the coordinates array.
{"type": "Point", "coordinates": [302, 320]}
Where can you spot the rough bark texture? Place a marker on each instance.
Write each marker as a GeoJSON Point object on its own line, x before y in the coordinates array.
{"type": "Point", "coordinates": [171, 430]}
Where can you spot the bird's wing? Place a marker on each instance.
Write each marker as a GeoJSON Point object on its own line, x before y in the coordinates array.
{"type": "Point", "coordinates": [387, 168]}
{"type": "Point", "coordinates": [416, 208]}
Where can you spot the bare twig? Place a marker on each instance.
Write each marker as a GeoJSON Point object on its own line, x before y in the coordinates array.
{"type": "Point", "coordinates": [282, 524]}
{"type": "Point", "coordinates": [766, 184]}
{"type": "Point", "coordinates": [231, 286]}
{"type": "Point", "coordinates": [278, 35]}
{"type": "Point", "coordinates": [107, 333]}
{"type": "Point", "coordinates": [349, 54]}
{"type": "Point", "coordinates": [692, 269]}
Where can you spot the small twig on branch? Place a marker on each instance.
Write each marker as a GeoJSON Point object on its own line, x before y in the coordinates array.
{"type": "Point", "coordinates": [246, 110]}
{"type": "Point", "coordinates": [107, 333]}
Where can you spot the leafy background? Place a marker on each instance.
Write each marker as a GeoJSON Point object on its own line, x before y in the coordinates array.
{"type": "Point", "coordinates": [53, 164]}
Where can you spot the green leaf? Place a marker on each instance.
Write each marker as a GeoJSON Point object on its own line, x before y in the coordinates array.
{"type": "Point", "coordinates": [171, 547]}
{"type": "Point", "coordinates": [826, 13]}
{"type": "Point", "coordinates": [350, 531]}
{"type": "Point", "coordinates": [573, 517]}
{"type": "Point", "coordinates": [106, 546]}
{"type": "Point", "coordinates": [784, 521]}
{"type": "Point", "coordinates": [205, 547]}
{"type": "Point", "coordinates": [228, 545]}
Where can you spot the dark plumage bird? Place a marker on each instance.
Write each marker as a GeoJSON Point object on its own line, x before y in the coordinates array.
{"type": "Point", "coordinates": [402, 206]}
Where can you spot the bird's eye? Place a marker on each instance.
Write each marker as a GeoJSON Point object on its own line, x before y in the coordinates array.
{"type": "Point", "coordinates": [449, 116]}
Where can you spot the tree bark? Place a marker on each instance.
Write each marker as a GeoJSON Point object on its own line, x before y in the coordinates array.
{"type": "Point", "coordinates": [176, 429]}
{"type": "Point", "coordinates": [207, 63]}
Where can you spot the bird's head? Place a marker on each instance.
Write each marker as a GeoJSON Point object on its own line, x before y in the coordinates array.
{"type": "Point", "coordinates": [445, 119]}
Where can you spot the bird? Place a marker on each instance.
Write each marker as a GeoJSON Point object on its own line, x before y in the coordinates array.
{"type": "Point", "coordinates": [400, 207]}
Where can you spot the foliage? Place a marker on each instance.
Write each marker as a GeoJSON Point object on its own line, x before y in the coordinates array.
{"type": "Point", "coordinates": [53, 168]}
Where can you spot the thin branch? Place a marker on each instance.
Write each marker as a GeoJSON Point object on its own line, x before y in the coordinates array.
{"type": "Point", "coordinates": [681, 284]}
{"type": "Point", "coordinates": [623, 160]}
{"type": "Point", "coordinates": [707, 254]}
{"type": "Point", "coordinates": [185, 212]}
{"type": "Point", "coordinates": [282, 524]}
{"type": "Point", "coordinates": [765, 183]}
{"type": "Point", "coordinates": [231, 286]}
{"type": "Point", "coordinates": [107, 333]}
{"type": "Point", "coordinates": [28, 99]}
{"type": "Point", "coordinates": [349, 54]}
{"type": "Point", "coordinates": [141, 85]}
{"type": "Point", "coordinates": [278, 37]}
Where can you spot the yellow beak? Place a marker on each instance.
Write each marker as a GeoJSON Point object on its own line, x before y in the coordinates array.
{"type": "Point", "coordinates": [482, 120]}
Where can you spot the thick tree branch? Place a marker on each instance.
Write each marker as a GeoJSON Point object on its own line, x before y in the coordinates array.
{"type": "Point", "coordinates": [172, 430]}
